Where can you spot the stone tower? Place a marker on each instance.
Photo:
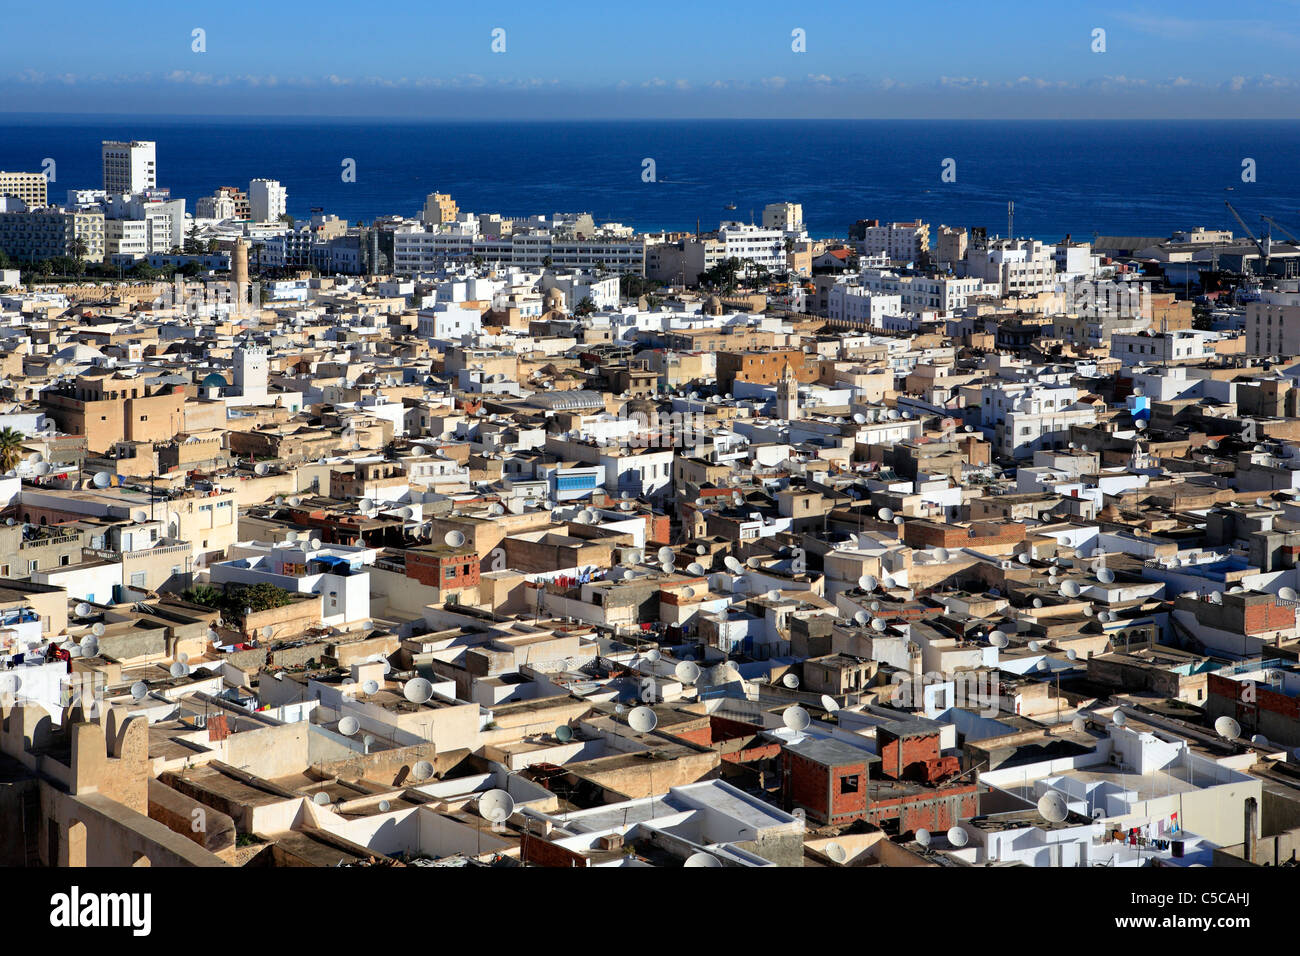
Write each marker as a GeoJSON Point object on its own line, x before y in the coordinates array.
{"type": "Point", "coordinates": [787, 395]}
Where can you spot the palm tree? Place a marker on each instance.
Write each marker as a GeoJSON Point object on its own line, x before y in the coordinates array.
{"type": "Point", "coordinates": [11, 448]}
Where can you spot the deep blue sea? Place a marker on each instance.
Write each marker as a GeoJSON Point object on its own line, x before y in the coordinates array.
{"type": "Point", "coordinates": [1122, 177]}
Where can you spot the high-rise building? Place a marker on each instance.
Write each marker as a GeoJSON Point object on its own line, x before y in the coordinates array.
{"type": "Point", "coordinates": [439, 208]}
{"type": "Point", "coordinates": [46, 233]}
{"type": "Point", "coordinates": [29, 187]}
{"type": "Point", "coordinates": [129, 167]}
{"type": "Point", "coordinates": [267, 200]}
{"type": "Point", "coordinates": [786, 216]}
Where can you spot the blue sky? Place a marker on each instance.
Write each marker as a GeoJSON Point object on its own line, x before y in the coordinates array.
{"type": "Point", "coordinates": [657, 59]}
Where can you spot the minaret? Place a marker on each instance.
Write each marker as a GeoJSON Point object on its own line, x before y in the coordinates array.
{"type": "Point", "coordinates": [239, 272]}
{"type": "Point", "coordinates": [787, 395]}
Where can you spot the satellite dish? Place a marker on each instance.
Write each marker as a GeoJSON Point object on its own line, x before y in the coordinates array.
{"type": "Point", "coordinates": [89, 646]}
{"type": "Point", "coordinates": [1035, 646]}
{"type": "Point", "coordinates": [1079, 724]}
{"type": "Point", "coordinates": [666, 567]}
{"type": "Point", "coordinates": [687, 672]}
{"type": "Point", "coordinates": [773, 595]}
{"type": "Point", "coordinates": [365, 504]}
{"type": "Point", "coordinates": [790, 680]}
{"type": "Point", "coordinates": [642, 720]}
{"type": "Point", "coordinates": [1072, 654]}
{"type": "Point", "coordinates": [695, 568]}
{"type": "Point", "coordinates": [796, 718]}
{"type": "Point", "coordinates": [702, 859]}
{"type": "Point", "coordinates": [261, 468]}
{"type": "Point", "coordinates": [941, 555]}
{"type": "Point", "coordinates": [349, 725]}
{"type": "Point", "coordinates": [666, 554]}
{"type": "Point", "coordinates": [999, 639]}
{"type": "Point", "coordinates": [82, 609]}
{"type": "Point", "coordinates": [653, 654]}
{"type": "Point", "coordinates": [422, 770]}
{"type": "Point", "coordinates": [733, 565]}
{"type": "Point", "coordinates": [829, 704]}
{"type": "Point", "coordinates": [384, 806]}
{"type": "Point", "coordinates": [632, 556]}
{"type": "Point", "coordinates": [1106, 576]}
{"type": "Point", "coordinates": [1052, 807]}
{"type": "Point", "coordinates": [1070, 589]}
{"type": "Point", "coordinates": [267, 631]}
{"type": "Point", "coordinates": [1022, 558]}
{"type": "Point", "coordinates": [861, 618]}
{"type": "Point", "coordinates": [1227, 728]}
{"type": "Point", "coordinates": [320, 798]}
{"type": "Point", "coordinates": [885, 514]}
{"type": "Point", "coordinates": [1119, 719]}
{"type": "Point", "coordinates": [1038, 602]}
{"type": "Point", "coordinates": [878, 624]}
{"type": "Point", "coordinates": [139, 690]}
{"type": "Point", "coordinates": [1259, 740]}
{"type": "Point", "coordinates": [1287, 594]}
{"type": "Point", "coordinates": [564, 733]}
{"type": "Point", "coordinates": [923, 837]}
{"type": "Point", "coordinates": [495, 806]}
{"type": "Point", "coordinates": [957, 836]}
{"type": "Point", "coordinates": [417, 690]}
{"type": "Point", "coordinates": [836, 852]}
{"type": "Point", "coordinates": [102, 479]}
{"type": "Point", "coordinates": [177, 670]}
{"type": "Point", "coordinates": [370, 687]}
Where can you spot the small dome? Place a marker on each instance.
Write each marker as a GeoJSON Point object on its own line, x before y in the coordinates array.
{"type": "Point", "coordinates": [713, 306]}
{"type": "Point", "coordinates": [79, 353]}
{"type": "Point", "coordinates": [214, 380]}
{"type": "Point", "coordinates": [554, 298]}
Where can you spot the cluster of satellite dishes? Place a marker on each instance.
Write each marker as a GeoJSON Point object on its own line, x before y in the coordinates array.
{"type": "Point", "coordinates": [957, 838]}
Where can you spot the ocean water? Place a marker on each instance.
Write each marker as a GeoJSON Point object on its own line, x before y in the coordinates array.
{"type": "Point", "coordinates": [1121, 177]}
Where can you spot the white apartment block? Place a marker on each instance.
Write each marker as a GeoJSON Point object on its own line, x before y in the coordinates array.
{"type": "Point", "coordinates": [267, 200]}
{"type": "Point", "coordinates": [1152, 348]}
{"type": "Point", "coordinates": [1019, 266]}
{"type": "Point", "coordinates": [129, 167]}
{"type": "Point", "coordinates": [765, 247]}
{"type": "Point", "coordinates": [126, 240]}
{"type": "Point", "coordinates": [449, 323]}
{"type": "Point", "coordinates": [46, 233]}
{"type": "Point", "coordinates": [857, 307]}
{"type": "Point", "coordinates": [926, 293]}
{"type": "Point", "coordinates": [417, 251]}
{"type": "Point", "coordinates": [997, 401]}
{"type": "Point", "coordinates": [899, 241]}
{"type": "Point", "coordinates": [215, 207]}
{"type": "Point", "coordinates": [784, 216]}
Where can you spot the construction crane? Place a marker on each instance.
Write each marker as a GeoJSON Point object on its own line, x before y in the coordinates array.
{"type": "Point", "coordinates": [1264, 245]}
{"type": "Point", "coordinates": [1289, 262]}
{"type": "Point", "coordinates": [1273, 223]}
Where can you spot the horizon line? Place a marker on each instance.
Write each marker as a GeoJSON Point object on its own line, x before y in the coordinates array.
{"type": "Point", "coordinates": [569, 120]}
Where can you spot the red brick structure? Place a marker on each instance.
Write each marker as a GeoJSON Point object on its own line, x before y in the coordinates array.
{"type": "Point", "coordinates": [923, 533]}
{"type": "Point", "coordinates": [827, 779]}
{"type": "Point", "coordinates": [448, 569]}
